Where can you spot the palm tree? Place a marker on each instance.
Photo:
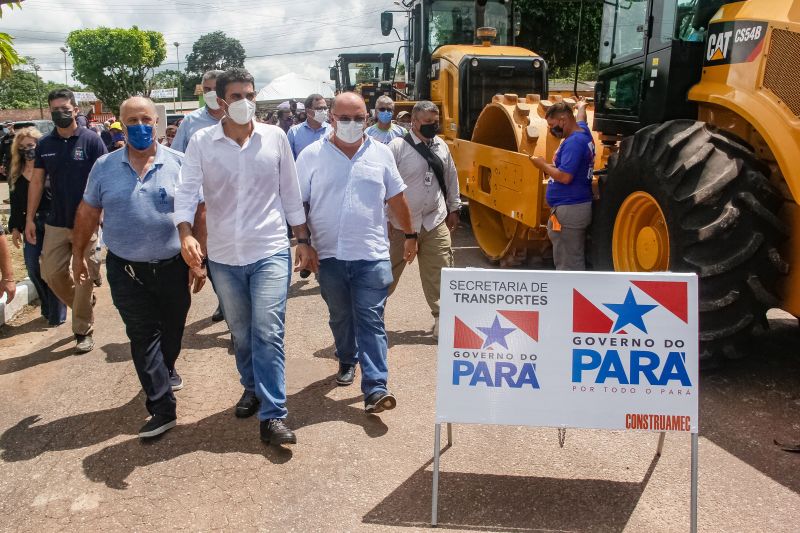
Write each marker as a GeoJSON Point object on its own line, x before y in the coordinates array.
{"type": "Point", "coordinates": [8, 56]}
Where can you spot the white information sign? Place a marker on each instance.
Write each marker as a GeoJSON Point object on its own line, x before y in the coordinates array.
{"type": "Point", "coordinates": [598, 350]}
{"type": "Point", "coordinates": [156, 94]}
{"type": "Point", "coordinates": [84, 97]}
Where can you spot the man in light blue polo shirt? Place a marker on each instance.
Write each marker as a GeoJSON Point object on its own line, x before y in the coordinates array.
{"type": "Point", "coordinates": [313, 128]}
{"type": "Point", "coordinates": [134, 187]}
{"type": "Point", "coordinates": [208, 115]}
{"type": "Point", "coordinates": [384, 130]}
{"type": "Point", "coordinates": [347, 180]}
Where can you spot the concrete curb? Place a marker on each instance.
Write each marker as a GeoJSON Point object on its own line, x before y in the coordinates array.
{"type": "Point", "coordinates": [26, 293]}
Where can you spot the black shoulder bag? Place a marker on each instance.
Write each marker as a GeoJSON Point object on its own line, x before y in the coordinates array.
{"type": "Point", "coordinates": [433, 160]}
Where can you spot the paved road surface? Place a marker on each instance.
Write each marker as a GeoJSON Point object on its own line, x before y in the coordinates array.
{"type": "Point", "coordinates": [70, 459]}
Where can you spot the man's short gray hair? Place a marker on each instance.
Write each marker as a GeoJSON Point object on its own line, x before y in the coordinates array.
{"type": "Point", "coordinates": [383, 100]}
{"type": "Point", "coordinates": [424, 106]}
{"type": "Point", "coordinates": [212, 75]}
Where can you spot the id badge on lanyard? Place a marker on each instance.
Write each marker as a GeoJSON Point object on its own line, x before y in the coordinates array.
{"type": "Point", "coordinates": [428, 177]}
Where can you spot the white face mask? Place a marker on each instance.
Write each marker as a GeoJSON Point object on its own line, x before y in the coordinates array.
{"type": "Point", "coordinates": [242, 111]}
{"type": "Point", "coordinates": [321, 115]}
{"type": "Point", "coordinates": [211, 100]}
{"type": "Point", "coordinates": [349, 132]}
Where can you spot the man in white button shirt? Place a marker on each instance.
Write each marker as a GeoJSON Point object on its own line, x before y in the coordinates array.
{"type": "Point", "coordinates": [249, 182]}
{"type": "Point", "coordinates": [434, 199]}
{"type": "Point", "coordinates": [346, 180]}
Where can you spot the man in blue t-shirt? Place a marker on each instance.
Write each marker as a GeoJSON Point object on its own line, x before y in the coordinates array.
{"type": "Point", "coordinates": [569, 185]}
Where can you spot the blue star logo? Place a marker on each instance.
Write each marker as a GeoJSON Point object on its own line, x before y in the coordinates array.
{"type": "Point", "coordinates": [496, 334]}
{"type": "Point", "coordinates": [630, 312]}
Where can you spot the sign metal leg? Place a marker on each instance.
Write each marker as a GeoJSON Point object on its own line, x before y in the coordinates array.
{"type": "Point", "coordinates": [660, 447]}
{"type": "Point", "coordinates": [693, 511]}
{"type": "Point", "coordinates": [435, 491]}
{"type": "Point", "coordinates": [449, 434]}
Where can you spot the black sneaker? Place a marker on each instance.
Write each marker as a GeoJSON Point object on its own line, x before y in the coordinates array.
{"type": "Point", "coordinates": [175, 380]}
{"type": "Point", "coordinates": [98, 282]}
{"type": "Point", "coordinates": [346, 374]}
{"type": "Point", "coordinates": [218, 316]}
{"type": "Point", "coordinates": [380, 401]}
{"type": "Point", "coordinates": [157, 425]}
{"type": "Point", "coordinates": [247, 405]}
{"type": "Point", "coordinates": [275, 432]}
{"type": "Point", "coordinates": [84, 343]}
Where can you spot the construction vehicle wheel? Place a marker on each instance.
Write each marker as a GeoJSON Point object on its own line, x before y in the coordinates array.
{"type": "Point", "coordinates": [498, 235]}
{"type": "Point", "coordinates": [685, 197]}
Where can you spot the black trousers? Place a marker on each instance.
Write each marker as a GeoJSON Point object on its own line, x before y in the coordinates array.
{"type": "Point", "coordinates": [153, 300]}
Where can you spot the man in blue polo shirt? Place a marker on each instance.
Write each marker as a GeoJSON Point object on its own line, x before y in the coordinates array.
{"type": "Point", "coordinates": [569, 187]}
{"type": "Point", "coordinates": [66, 156]}
{"type": "Point", "coordinates": [313, 128]}
{"type": "Point", "coordinates": [208, 115]}
{"type": "Point", "coordinates": [384, 130]}
{"type": "Point", "coordinates": [135, 188]}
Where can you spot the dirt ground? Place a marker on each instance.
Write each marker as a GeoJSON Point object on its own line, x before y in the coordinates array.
{"type": "Point", "coordinates": [70, 458]}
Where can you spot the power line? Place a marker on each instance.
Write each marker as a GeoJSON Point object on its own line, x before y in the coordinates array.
{"type": "Point", "coordinates": [298, 52]}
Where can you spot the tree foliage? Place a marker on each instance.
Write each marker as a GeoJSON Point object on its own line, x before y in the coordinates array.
{"type": "Point", "coordinates": [166, 79]}
{"type": "Point", "coordinates": [212, 51]}
{"type": "Point", "coordinates": [19, 90]}
{"type": "Point", "coordinates": [550, 28]}
{"type": "Point", "coordinates": [115, 62]}
{"type": "Point", "coordinates": [8, 56]}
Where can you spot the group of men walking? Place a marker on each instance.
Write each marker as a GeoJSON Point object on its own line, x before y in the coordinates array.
{"type": "Point", "coordinates": [360, 204]}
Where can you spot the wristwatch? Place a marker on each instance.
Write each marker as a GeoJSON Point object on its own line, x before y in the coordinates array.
{"type": "Point", "coordinates": [411, 235]}
{"type": "Point", "coordinates": [304, 241]}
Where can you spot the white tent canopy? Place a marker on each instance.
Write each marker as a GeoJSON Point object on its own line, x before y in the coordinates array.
{"type": "Point", "coordinates": [293, 86]}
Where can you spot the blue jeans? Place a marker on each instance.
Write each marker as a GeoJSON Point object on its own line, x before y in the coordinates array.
{"type": "Point", "coordinates": [52, 308]}
{"type": "Point", "coordinates": [254, 299]}
{"type": "Point", "coordinates": [356, 292]}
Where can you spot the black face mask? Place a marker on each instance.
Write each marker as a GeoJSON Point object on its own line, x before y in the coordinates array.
{"type": "Point", "coordinates": [429, 131]}
{"type": "Point", "coordinates": [62, 119]}
{"type": "Point", "coordinates": [557, 132]}
{"type": "Point", "coordinates": [28, 153]}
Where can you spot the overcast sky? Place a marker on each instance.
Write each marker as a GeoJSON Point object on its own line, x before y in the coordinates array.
{"type": "Point", "coordinates": [264, 27]}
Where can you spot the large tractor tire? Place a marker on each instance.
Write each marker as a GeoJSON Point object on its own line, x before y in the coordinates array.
{"type": "Point", "coordinates": [685, 197]}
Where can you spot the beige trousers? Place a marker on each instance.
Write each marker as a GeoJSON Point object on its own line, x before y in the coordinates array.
{"type": "Point", "coordinates": [435, 253]}
{"type": "Point", "coordinates": [57, 272]}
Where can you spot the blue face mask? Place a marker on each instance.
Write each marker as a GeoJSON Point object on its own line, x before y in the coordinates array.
{"type": "Point", "coordinates": [384, 117]}
{"type": "Point", "coordinates": [140, 136]}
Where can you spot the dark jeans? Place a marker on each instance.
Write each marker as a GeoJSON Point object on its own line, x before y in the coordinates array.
{"type": "Point", "coordinates": [52, 308]}
{"type": "Point", "coordinates": [153, 300]}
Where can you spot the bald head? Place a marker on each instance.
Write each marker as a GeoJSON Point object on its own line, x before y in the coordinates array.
{"type": "Point", "coordinates": [136, 104]}
{"type": "Point", "coordinates": [349, 104]}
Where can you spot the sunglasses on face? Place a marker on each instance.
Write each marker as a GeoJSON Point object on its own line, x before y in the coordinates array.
{"type": "Point", "coordinates": [345, 119]}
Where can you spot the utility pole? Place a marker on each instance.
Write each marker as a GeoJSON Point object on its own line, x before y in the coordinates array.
{"type": "Point", "coordinates": [178, 57]}
{"type": "Point", "coordinates": [38, 89]}
{"type": "Point", "coordinates": [66, 81]}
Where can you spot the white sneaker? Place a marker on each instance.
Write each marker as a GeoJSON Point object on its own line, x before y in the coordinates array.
{"type": "Point", "coordinates": [436, 328]}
